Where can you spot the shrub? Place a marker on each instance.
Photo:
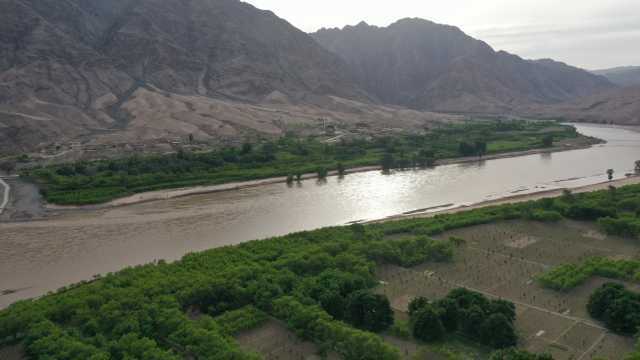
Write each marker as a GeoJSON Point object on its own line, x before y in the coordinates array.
{"type": "Point", "coordinates": [497, 331]}
{"type": "Point", "coordinates": [568, 276]}
{"type": "Point", "coordinates": [625, 226]}
{"type": "Point", "coordinates": [487, 321]}
{"type": "Point", "coordinates": [417, 304]}
{"type": "Point", "coordinates": [401, 330]}
{"type": "Point", "coordinates": [426, 324]}
{"type": "Point", "coordinates": [589, 211]}
{"type": "Point", "coordinates": [545, 215]}
{"type": "Point", "coordinates": [236, 321]}
{"type": "Point", "coordinates": [369, 311]}
{"type": "Point", "coordinates": [618, 307]}
{"type": "Point", "coordinates": [312, 323]}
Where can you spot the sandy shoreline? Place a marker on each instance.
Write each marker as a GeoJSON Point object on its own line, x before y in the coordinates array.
{"type": "Point", "coordinates": [631, 180]}
{"type": "Point", "coordinates": [199, 190]}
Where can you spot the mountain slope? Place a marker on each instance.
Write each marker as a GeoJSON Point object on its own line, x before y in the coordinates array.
{"type": "Point", "coordinates": [68, 67]}
{"type": "Point", "coordinates": [623, 76]}
{"type": "Point", "coordinates": [426, 65]}
{"type": "Point", "coordinates": [617, 106]}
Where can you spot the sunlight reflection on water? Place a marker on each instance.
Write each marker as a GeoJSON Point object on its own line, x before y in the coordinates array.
{"type": "Point", "coordinates": [46, 255]}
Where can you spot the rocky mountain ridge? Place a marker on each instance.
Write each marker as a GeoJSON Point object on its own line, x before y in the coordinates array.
{"type": "Point", "coordinates": [140, 72]}
{"type": "Point", "coordinates": [425, 65]}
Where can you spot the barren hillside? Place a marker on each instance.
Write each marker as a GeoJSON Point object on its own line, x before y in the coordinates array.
{"type": "Point", "coordinates": [69, 68]}
{"type": "Point", "coordinates": [425, 65]}
{"type": "Point", "coordinates": [618, 106]}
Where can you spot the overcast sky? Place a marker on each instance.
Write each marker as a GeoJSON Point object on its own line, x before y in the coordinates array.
{"type": "Point", "coordinates": [592, 34]}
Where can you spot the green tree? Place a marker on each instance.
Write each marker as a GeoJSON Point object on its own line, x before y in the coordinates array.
{"type": "Point", "coordinates": [369, 311]}
{"type": "Point", "coordinates": [358, 230]}
{"type": "Point", "coordinates": [568, 196]}
{"type": "Point", "coordinates": [471, 321]}
{"type": "Point", "coordinates": [449, 314]}
{"type": "Point", "coordinates": [388, 162]}
{"type": "Point", "coordinates": [247, 148]}
{"type": "Point", "coordinates": [417, 304]}
{"type": "Point", "coordinates": [504, 307]}
{"type": "Point", "coordinates": [610, 174]}
{"type": "Point", "coordinates": [480, 148]}
{"type": "Point", "coordinates": [426, 324]}
{"type": "Point", "coordinates": [624, 314]}
{"type": "Point", "coordinates": [341, 170]}
{"type": "Point", "coordinates": [466, 149]}
{"type": "Point", "coordinates": [425, 158]}
{"type": "Point", "coordinates": [617, 307]}
{"type": "Point", "coordinates": [322, 173]}
{"type": "Point", "coordinates": [547, 141]}
{"type": "Point", "coordinates": [466, 298]}
{"type": "Point", "coordinates": [497, 331]}
{"type": "Point", "coordinates": [333, 303]}
{"type": "Point", "coordinates": [269, 151]}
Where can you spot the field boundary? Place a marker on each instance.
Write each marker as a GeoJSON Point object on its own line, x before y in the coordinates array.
{"type": "Point", "coordinates": [525, 305]}
{"type": "Point", "coordinates": [593, 346]}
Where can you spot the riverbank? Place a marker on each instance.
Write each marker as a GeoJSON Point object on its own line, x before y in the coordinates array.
{"type": "Point", "coordinates": [199, 190]}
{"type": "Point", "coordinates": [631, 180]}
{"type": "Point", "coordinates": [65, 247]}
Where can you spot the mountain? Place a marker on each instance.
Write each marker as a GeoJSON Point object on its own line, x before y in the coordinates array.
{"type": "Point", "coordinates": [617, 106]}
{"type": "Point", "coordinates": [623, 76]}
{"type": "Point", "coordinates": [71, 68]}
{"type": "Point", "coordinates": [144, 74]}
{"type": "Point", "coordinates": [425, 65]}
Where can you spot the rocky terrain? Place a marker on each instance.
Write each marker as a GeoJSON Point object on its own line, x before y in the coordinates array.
{"type": "Point", "coordinates": [148, 74]}
{"type": "Point", "coordinates": [617, 106]}
{"type": "Point", "coordinates": [72, 68]}
{"type": "Point", "coordinates": [425, 65]}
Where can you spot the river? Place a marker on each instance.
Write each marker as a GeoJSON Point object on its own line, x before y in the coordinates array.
{"type": "Point", "coordinates": [39, 256]}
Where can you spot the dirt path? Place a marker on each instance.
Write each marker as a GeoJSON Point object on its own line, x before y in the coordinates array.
{"type": "Point", "coordinates": [454, 285]}
{"type": "Point", "coordinates": [593, 346]}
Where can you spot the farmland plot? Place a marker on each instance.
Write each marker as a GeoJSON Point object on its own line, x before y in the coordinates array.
{"type": "Point", "coordinates": [502, 260]}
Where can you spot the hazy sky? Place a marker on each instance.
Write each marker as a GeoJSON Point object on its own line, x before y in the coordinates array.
{"type": "Point", "coordinates": [589, 33]}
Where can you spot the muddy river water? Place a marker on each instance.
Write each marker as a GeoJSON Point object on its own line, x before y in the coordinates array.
{"type": "Point", "coordinates": [39, 256]}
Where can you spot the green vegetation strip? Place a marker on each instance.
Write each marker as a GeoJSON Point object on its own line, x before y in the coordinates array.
{"type": "Point", "coordinates": [101, 181]}
{"type": "Point", "coordinates": [317, 282]}
{"type": "Point", "coordinates": [568, 276]}
{"type": "Point", "coordinates": [236, 321]}
{"type": "Point", "coordinates": [616, 211]}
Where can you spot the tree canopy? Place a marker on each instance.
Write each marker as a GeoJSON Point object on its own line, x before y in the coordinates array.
{"type": "Point", "coordinates": [490, 322]}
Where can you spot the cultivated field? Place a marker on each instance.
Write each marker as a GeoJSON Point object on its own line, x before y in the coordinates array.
{"type": "Point", "coordinates": [273, 341]}
{"type": "Point", "coordinates": [12, 353]}
{"type": "Point", "coordinates": [501, 260]}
